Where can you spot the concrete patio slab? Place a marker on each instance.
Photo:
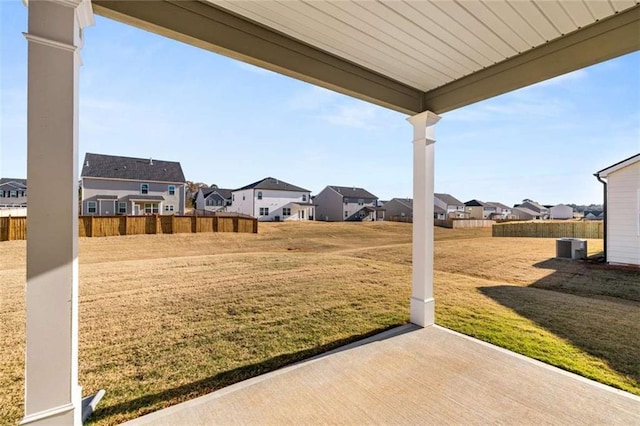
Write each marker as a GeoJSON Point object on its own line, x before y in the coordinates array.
{"type": "Point", "coordinates": [412, 376]}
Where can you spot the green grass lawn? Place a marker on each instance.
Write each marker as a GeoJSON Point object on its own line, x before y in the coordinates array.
{"type": "Point", "coordinates": [167, 318]}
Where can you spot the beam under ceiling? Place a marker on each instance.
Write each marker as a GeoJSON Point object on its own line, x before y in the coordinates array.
{"type": "Point", "coordinates": [218, 30]}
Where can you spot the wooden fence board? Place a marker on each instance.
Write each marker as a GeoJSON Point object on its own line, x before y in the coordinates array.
{"type": "Point", "coordinates": [549, 229]}
{"type": "Point", "coordinates": [15, 228]}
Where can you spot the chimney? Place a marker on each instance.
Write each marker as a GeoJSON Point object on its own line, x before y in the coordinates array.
{"type": "Point", "coordinates": [86, 164]}
{"type": "Point", "coordinates": [150, 161]}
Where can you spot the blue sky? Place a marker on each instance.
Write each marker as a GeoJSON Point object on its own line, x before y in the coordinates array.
{"type": "Point", "coordinates": [229, 123]}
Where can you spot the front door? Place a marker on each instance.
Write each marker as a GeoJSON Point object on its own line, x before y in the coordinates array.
{"type": "Point", "coordinates": [136, 210]}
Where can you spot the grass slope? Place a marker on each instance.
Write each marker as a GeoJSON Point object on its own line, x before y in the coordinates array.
{"type": "Point", "coordinates": [166, 318]}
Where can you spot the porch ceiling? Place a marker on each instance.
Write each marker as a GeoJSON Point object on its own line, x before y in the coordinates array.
{"type": "Point", "coordinates": [410, 56]}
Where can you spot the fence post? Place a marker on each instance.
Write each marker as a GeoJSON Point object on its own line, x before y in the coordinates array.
{"type": "Point", "coordinates": [255, 226]}
{"type": "Point", "coordinates": [92, 230]}
{"type": "Point", "coordinates": [158, 224]}
{"type": "Point", "coordinates": [215, 224]}
{"type": "Point", "coordinates": [173, 224]}
{"type": "Point", "coordinates": [9, 228]}
{"type": "Point", "coordinates": [194, 224]}
{"type": "Point", "coordinates": [236, 224]}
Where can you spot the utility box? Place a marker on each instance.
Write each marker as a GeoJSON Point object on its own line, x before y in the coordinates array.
{"type": "Point", "coordinates": [571, 248]}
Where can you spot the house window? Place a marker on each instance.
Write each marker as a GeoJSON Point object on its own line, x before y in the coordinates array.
{"type": "Point", "coordinates": [233, 197]}
{"type": "Point", "coordinates": [92, 207]}
{"type": "Point", "coordinates": [144, 188]}
{"type": "Point", "coordinates": [172, 190]}
{"type": "Point", "coordinates": [346, 214]}
{"type": "Point", "coordinates": [209, 202]}
{"type": "Point", "coordinates": [360, 202]}
{"type": "Point", "coordinates": [2, 194]}
{"type": "Point", "coordinates": [264, 211]}
{"type": "Point", "coordinates": [151, 208]}
{"type": "Point", "coordinates": [168, 208]}
{"type": "Point", "coordinates": [286, 211]}
{"type": "Point", "coordinates": [259, 195]}
{"type": "Point", "coordinates": [122, 208]}
{"type": "Point", "coordinates": [304, 197]}
{"type": "Point", "coordinates": [346, 201]}
{"type": "Point", "coordinates": [14, 194]}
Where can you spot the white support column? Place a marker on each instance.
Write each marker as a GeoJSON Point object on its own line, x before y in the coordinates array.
{"type": "Point", "coordinates": [52, 393]}
{"type": "Point", "coordinates": [422, 303]}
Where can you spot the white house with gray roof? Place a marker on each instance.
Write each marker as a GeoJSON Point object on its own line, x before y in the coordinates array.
{"type": "Point", "coordinates": [114, 185]}
{"type": "Point", "coordinates": [347, 203]}
{"type": "Point", "coordinates": [453, 207]}
{"type": "Point", "coordinates": [213, 199]}
{"type": "Point", "coordinates": [272, 199]}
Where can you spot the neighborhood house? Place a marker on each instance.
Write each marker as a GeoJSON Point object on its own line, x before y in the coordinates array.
{"type": "Point", "coordinates": [342, 203]}
{"type": "Point", "coordinates": [113, 185]}
{"type": "Point", "coordinates": [213, 199]}
{"type": "Point", "coordinates": [13, 192]}
{"type": "Point", "coordinates": [622, 211]}
{"type": "Point", "coordinates": [453, 208]}
{"type": "Point", "coordinates": [272, 199]}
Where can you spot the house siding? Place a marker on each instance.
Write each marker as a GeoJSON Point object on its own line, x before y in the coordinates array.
{"type": "Point", "coordinates": [95, 187]}
{"type": "Point", "coordinates": [475, 212]}
{"type": "Point", "coordinates": [561, 212]}
{"type": "Point", "coordinates": [623, 215]}
{"type": "Point", "coordinates": [329, 206]}
{"type": "Point", "coordinates": [274, 200]}
{"type": "Point", "coordinates": [397, 208]}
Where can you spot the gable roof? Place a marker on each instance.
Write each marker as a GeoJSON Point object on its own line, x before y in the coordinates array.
{"type": "Point", "coordinates": [497, 205]}
{"type": "Point", "coordinates": [408, 202]}
{"type": "Point", "coordinates": [224, 193]}
{"type": "Point", "coordinates": [527, 211]}
{"type": "Point", "coordinates": [130, 168]}
{"type": "Point", "coordinates": [19, 181]}
{"type": "Point", "coordinates": [352, 191]}
{"type": "Point", "coordinates": [534, 206]}
{"type": "Point", "coordinates": [272, 183]}
{"type": "Point", "coordinates": [449, 199]}
{"type": "Point", "coordinates": [476, 203]}
{"type": "Point", "coordinates": [619, 165]}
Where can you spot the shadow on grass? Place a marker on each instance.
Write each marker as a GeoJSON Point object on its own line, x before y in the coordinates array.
{"type": "Point", "coordinates": [153, 402]}
{"type": "Point", "coordinates": [605, 328]}
{"type": "Point", "coordinates": [585, 278]}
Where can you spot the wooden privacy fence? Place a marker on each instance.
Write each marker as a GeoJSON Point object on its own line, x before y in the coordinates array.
{"type": "Point", "coordinates": [463, 223]}
{"type": "Point", "coordinates": [549, 229]}
{"type": "Point", "coordinates": [15, 228]}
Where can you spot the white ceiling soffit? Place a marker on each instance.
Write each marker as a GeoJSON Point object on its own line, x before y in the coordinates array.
{"type": "Point", "coordinates": [426, 44]}
{"type": "Point", "coordinates": [418, 55]}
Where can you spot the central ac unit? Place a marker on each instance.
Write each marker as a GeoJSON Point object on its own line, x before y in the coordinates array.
{"type": "Point", "coordinates": [571, 248]}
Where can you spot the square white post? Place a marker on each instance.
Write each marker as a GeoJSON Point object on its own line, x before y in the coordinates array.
{"type": "Point", "coordinates": [422, 304]}
{"type": "Point", "coordinates": [52, 393]}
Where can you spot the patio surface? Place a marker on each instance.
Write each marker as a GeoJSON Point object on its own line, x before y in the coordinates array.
{"type": "Point", "coordinates": [412, 376]}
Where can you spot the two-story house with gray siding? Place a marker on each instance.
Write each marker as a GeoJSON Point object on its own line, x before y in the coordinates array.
{"type": "Point", "coordinates": [114, 185]}
{"type": "Point", "coordinates": [454, 208]}
{"type": "Point", "coordinates": [213, 199]}
{"type": "Point", "coordinates": [343, 203]}
{"type": "Point", "coordinates": [13, 192]}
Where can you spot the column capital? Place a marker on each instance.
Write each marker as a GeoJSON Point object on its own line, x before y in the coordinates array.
{"type": "Point", "coordinates": [423, 126]}
{"type": "Point", "coordinates": [425, 118]}
{"type": "Point", "coordinates": [84, 11]}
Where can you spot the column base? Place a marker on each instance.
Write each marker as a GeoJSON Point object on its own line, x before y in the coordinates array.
{"type": "Point", "coordinates": [422, 312]}
{"type": "Point", "coordinates": [64, 414]}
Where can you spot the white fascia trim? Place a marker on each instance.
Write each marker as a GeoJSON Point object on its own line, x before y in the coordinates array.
{"type": "Point", "coordinates": [31, 418]}
{"type": "Point", "coordinates": [606, 172]}
{"type": "Point", "coordinates": [134, 180]}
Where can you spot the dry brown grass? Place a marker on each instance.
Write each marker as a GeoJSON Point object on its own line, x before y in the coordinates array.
{"type": "Point", "coordinates": [166, 318]}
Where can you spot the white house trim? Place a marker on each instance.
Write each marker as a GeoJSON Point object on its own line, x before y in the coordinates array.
{"type": "Point", "coordinates": [422, 310]}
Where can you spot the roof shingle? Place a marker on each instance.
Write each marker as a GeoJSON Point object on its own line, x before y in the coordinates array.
{"type": "Point", "coordinates": [116, 167]}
